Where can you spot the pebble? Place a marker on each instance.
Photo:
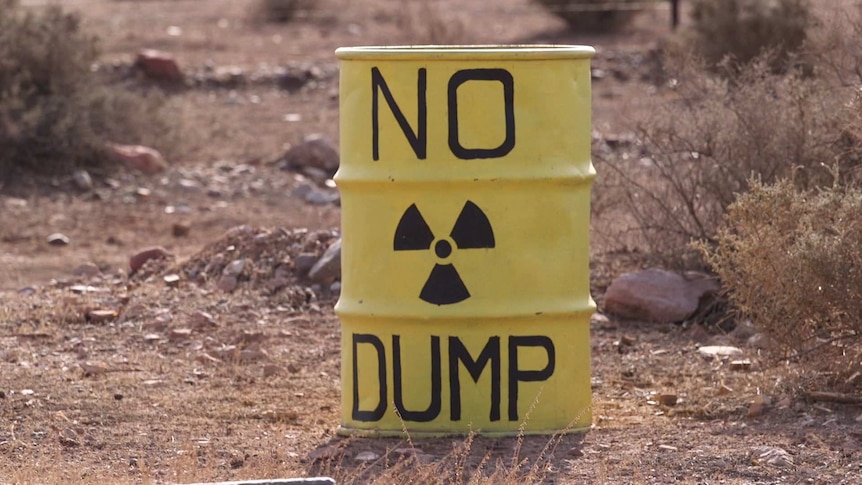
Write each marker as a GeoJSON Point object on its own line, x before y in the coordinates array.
{"type": "Point", "coordinates": [87, 270]}
{"type": "Point", "coordinates": [366, 456]}
{"type": "Point", "coordinates": [82, 180]}
{"type": "Point", "coordinates": [227, 283]}
{"type": "Point", "coordinates": [328, 268]}
{"type": "Point", "coordinates": [141, 258]}
{"type": "Point", "coordinates": [58, 239]}
{"type": "Point", "coordinates": [101, 316]}
{"type": "Point", "coordinates": [719, 351]}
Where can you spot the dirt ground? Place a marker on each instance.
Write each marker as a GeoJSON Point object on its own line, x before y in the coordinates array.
{"type": "Point", "coordinates": [112, 378]}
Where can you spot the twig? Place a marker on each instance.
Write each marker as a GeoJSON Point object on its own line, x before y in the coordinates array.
{"type": "Point", "coordinates": [834, 397]}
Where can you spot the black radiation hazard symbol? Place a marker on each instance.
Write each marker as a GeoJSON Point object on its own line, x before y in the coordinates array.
{"type": "Point", "coordinates": [472, 231]}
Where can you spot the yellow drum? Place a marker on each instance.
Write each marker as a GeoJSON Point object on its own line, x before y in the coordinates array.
{"type": "Point", "coordinates": [465, 188]}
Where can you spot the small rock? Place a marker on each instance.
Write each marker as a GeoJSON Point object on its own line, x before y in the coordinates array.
{"type": "Point", "coordinates": [772, 456]}
{"type": "Point", "coordinates": [58, 239]}
{"type": "Point", "coordinates": [316, 152]}
{"type": "Point", "coordinates": [180, 334]}
{"type": "Point", "coordinates": [139, 259]}
{"type": "Point", "coordinates": [118, 396]}
{"type": "Point", "coordinates": [667, 399]}
{"type": "Point", "coordinates": [599, 320]}
{"type": "Point", "coordinates": [304, 262]}
{"type": "Point", "coordinates": [668, 448]}
{"type": "Point", "coordinates": [158, 65]}
{"type": "Point", "coordinates": [227, 283]}
{"type": "Point", "coordinates": [740, 365]}
{"type": "Point", "coordinates": [759, 406]}
{"type": "Point", "coordinates": [270, 370]}
{"type": "Point", "coordinates": [719, 351]}
{"type": "Point", "coordinates": [201, 320]}
{"type": "Point", "coordinates": [101, 316]}
{"type": "Point", "coordinates": [69, 438]}
{"type": "Point", "coordinates": [328, 268]}
{"type": "Point", "coordinates": [180, 229]}
{"type": "Point", "coordinates": [251, 355]}
{"type": "Point", "coordinates": [172, 280]}
{"type": "Point", "coordinates": [335, 287]}
{"type": "Point", "coordinates": [87, 270]}
{"type": "Point", "coordinates": [94, 368]}
{"type": "Point", "coordinates": [234, 268]}
{"type": "Point", "coordinates": [82, 180]}
{"type": "Point", "coordinates": [366, 456]}
{"type": "Point", "coordinates": [141, 158]}
{"type": "Point", "coordinates": [656, 295]}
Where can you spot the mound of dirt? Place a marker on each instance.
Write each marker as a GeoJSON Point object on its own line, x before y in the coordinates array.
{"type": "Point", "coordinates": [264, 260]}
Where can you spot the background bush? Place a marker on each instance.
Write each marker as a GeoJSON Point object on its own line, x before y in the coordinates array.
{"type": "Point", "coordinates": [596, 20]}
{"type": "Point", "coordinates": [56, 115]}
{"type": "Point", "coordinates": [281, 11]}
{"type": "Point", "coordinates": [743, 29]}
{"type": "Point", "coordinates": [709, 136]}
{"type": "Point", "coordinates": [792, 261]}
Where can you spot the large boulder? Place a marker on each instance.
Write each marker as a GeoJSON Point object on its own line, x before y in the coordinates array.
{"type": "Point", "coordinates": [657, 295]}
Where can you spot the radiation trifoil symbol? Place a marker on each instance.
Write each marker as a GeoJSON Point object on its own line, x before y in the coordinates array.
{"type": "Point", "coordinates": [472, 231]}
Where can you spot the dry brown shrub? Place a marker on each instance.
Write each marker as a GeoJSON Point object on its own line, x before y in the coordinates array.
{"type": "Point", "coordinates": [744, 29]}
{"type": "Point", "coordinates": [792, 261]}
{"type": "Point", "coordinates": [709, 136]}
{"type": "Point", "coordinates": [595, 16]}
{"type": "Point", "coordinates": [55, 113]}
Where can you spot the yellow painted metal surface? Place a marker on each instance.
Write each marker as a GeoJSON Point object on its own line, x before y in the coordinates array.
{"type": "Point", "coordinates": [465, 186]}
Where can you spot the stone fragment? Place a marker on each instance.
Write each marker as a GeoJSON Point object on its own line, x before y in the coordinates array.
{"type": "Point", "coordinates": [719, 351]}
{"type": "Point", "coordinates": [656, 295]}
{"type": "Point", "coordinates": [270, 370]}
{"type": "Point", "coordinates": [315, 152]}
{"type": "Point", "coordinates": [234, 268]}
{"type": "Point", "coordinates": [366, 456]}
{"type": "Point", "coordinates": [227, 284]}
{"type": "Point", "coordinates": [179, 334]}
{"type": "Point", "coordinates": [327, 269]}
{"type": "Point", "coordinates": [172, 280]}
{"type": "Point", "coordinates": [87, 270]}
{"type": "Point", "coordinates": [667, 399]}
{"type": "Point", "coordinates": [82, 179]}
{"type": "Point", "coordinates": [158, 65]}
{"type": "Point", "coordinates": [144, 159]}
{"type": "Point", "coordinates": [58, 239]}
{"type": "Point", "coordinates": [771, 456]}
{"type": "Point", "coordinates": [94, 368]}
{"type": "Point", "coordinates": [202, 320]}
{"type": "Point", "coordinates": [141, 258]}
{"type": "Point", "coordinates": [101, 316]}
{"type": "Point", "coordinates": [740, 365]}
{"type": "Point", "coordinates": [304, 262]}
{"type": "Point", "coordinates": [180, 229]}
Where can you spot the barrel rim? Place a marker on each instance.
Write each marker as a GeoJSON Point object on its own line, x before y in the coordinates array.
{"type": "Point", "coordinates": [467, 52]}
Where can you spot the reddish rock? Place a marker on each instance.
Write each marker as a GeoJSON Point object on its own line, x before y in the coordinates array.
{"type": "Point", "coordinates": [144, 159]}
{"type": "Point", "coordinates": [138, 260]}
{"type": "Point", "coordinates": [158, 65]}
{"type": "Point", "coordinates": [656, 295]}
{"type": "Point", "coordinates": [315, 152]}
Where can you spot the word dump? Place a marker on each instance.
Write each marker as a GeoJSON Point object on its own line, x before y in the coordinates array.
{"type": "Point", "coordinates": [456, 356]}
{"type": "Point", "coordinates": [418, 138]}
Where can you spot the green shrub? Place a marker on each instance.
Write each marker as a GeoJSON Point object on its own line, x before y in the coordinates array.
{"type": "Point", "coordinates": [743, 29]}
{"type": "Point", "coordinates": [589, 15]}
{"type": "Point", "coordinates": [791, 260]}
{"type": "Point", "coordinates": [55, 113]}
